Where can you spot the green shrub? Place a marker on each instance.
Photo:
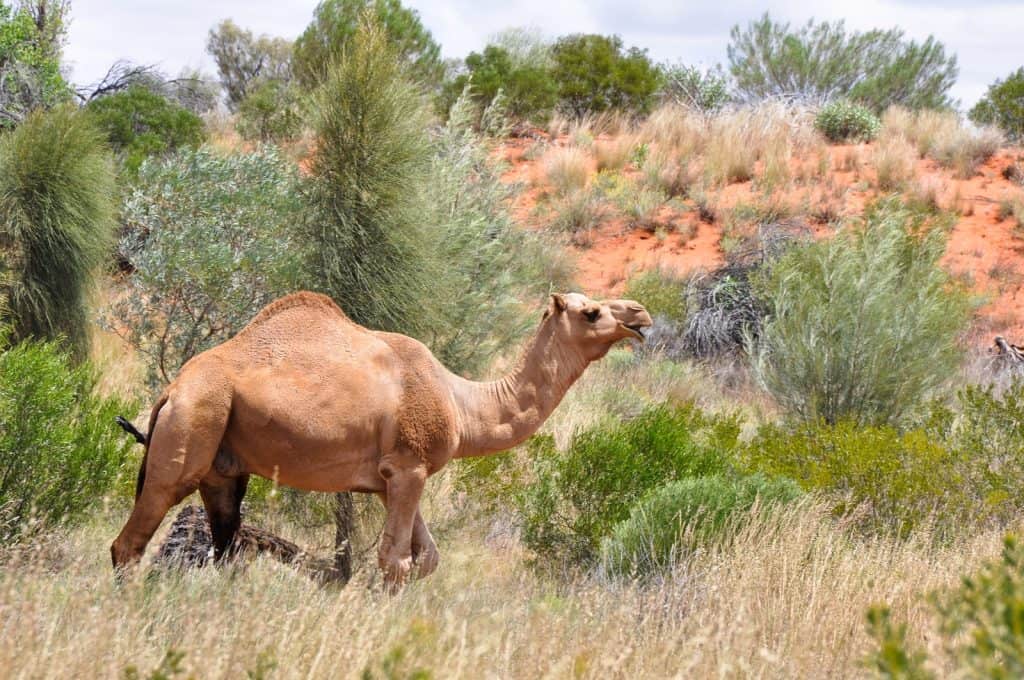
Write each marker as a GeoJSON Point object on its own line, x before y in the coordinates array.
{"type": "Point", "coordinates": [209, 237]}
{"type": "Point", "coordinates": [579, 495]}
{"type": "Point", "coordinates": [140, 123]}
{"type": "Point", "coordinates": [661, 291]}
{"type": "Point", "coordinates": [530, 89]}
{"type": "Point", "coordinates": [246, 62]}
{"type": "Point", "coordinates": [687, 514]}
{"type": "Point", "coordinates": [594, 73]}
{"type": "Point", "coordinates": [844, 121]}
{"type": "Point", "coordinates": [864, 325]}
{"type": "Point", "coordinates": [981, 624]}
{"type": "Point", "coordinates": [56, 223]}
{"type": "Point", "coordinates": [30, 59]}
{"type": "Point", "coordinates": [897, 479]}
{"type": "Point", "coordinates": [1003, 106]}
{"type": "Point", "coordinates": [59, 449]}
{"type": "Point", "coordinates": [703, 91]}
{"type": "Point", "coordinates": [270, 112]}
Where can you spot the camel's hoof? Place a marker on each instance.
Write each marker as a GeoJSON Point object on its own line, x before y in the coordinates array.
{"type": "Point", "coordinates": [426, 561]}
{"type": "Point", "coordinates": [396, 572]}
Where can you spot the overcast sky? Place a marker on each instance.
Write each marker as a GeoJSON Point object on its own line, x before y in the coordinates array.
{"type": "Point", "coordinates": [986, 36]}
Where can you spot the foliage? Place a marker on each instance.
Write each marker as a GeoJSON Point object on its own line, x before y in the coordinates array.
{"type": "Point", "coordinates": [686, 515]}
{"type": "Point", "coordinates": [704, 91]}
{"type": "Point", "coordinates": [59, 452]}
{"type": "Point", "coordinates": [56, 223]}
{"type": "Point", "coordinates": [579, 495]}
{"type": "Point", "coordinates": [335, 25]}
{"type": "Point", "coordinates": [864, 325]}
{"type": "Point", "coordinates": [245, 62]}
{"type": "Point", "coordinates": [367, 243]}
{"type": "Point", "coordinates": [208, 236]}
{"type": "Point", "coordinates": [31, 38]}
{"type": "Point", "coordinates": [1003, 106]}
{"type": "Point", "coordinates": [821, 61]}
{"type": "Point", "coordinates": [140, 123]}
{"type": "Point", "coordinates": [842, 121]}
{"type": "Point", "coordinates": [530, 89]}
{"type": "Point", "coordinates": [271, 112]}
{"type": "Point", "coordinates": [595, 73]}
{"type": "Point", "coordinates": [981, 623]}
{"type": "Point", "coordinates": [660, 291]}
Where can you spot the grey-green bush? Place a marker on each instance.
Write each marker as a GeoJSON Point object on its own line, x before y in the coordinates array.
{"type": "Point", "coordinates": [209, 236]}
{"type": "Point", "coordinates": [579, 495]}
{"type": "Point", "coordinates": [57, 225]}
{"type": "Point", "coordinates": [844, 121]}
{"type": "Point", "coordinates": [862, 326]}
{"type": "Point", "coordinates": [688, 514]}
{"type": "Point", "coordinates": [59, 449]}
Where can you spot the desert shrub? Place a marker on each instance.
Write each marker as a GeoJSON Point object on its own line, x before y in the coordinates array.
{"type": "Point", "coordinates": [578, 211]}
{"type": "Point", "coordinates": [566, 169]}
{"type": "Point", "coordinates": [703, 91]}
{"type": "Point", "coordinates": [31, 38]}
{"type": "Point", "coordinates": [731, 149]}
{"type": "Point", "coordinates": [530, 89]}
{"type": "Point", "coordinates": [209, 238]}
{"type": "Point", "coordinates": [864, 325]}
{"type": "Point", "coordinates": [674, 130]}
{"type": "Point", "coordinates": [686, 515]}
{"type": "Point", "coordinates": [979, 624]}
{"type": "Point", "coordinates": [580, 494]}
{"type": "Point", "coordinates": [898, 480]}
{"type": "Point", "coordinates": [895, 163]}
{"type": "Point", "coordinates": [843, 121]}
{"type": "Point", "coordinates": [56, 223]}
{"type": "Point", "coordinates": [140, 123]}
{"type": "Point", "coordinates": [670, 175]}
{"type": "Point", "coordinates": [59, 450]}
{"type": "Point", "coordinates": [1003, 106]}
{"type": "Point", "coordinates": [638, 202]}
{"type": "Point", "coordinates": [820, 60]}
{"type": "Point", "coordinates": [941, 136]}
{"type": "Point", "coordinates": [335, 25]}
{"type": "Point", "coordinates": [270, 112]}
{"type": "Point", "coordinates": [660, 291]}
{"type": "Point", "coordinates": [595, 73]}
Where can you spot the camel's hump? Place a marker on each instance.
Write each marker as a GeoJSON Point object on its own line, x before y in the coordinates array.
{"type": "Point", "coordinates": [316, 303]}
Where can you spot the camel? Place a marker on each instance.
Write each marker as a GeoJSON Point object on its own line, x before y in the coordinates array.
{"type": "Point", "coordinates": [305, 396]}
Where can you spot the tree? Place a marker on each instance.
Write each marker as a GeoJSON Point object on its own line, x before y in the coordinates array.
{"type": "Point", "coordinates": [1003, 106]}
{"type": "Point", "coordinates": [140, 123]}
{"type": "Point", "coordinates": [530, 89]}
{"type": "Point", "coordinates": [190, 90]}
{"type": "Point", "coordinates": [335, 23]}
{"type": "Point", "coordinates": [31, 39]}
{"type": "Point", "coordinates": [820, 62]}
{"type": "Point", "coordinates": [56, 222]}
{"type": "Point", "coordinates": [703, 91]}
{"type": "Point", "coordinates": [244, 60]}
{"type": "Point", "coordinates": [594, 73]}
{"type": "Point", "coordinates": [270, 112]}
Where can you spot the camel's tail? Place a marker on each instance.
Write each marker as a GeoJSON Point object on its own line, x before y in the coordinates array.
{"type": "Point", "coordinates": [142, 439]}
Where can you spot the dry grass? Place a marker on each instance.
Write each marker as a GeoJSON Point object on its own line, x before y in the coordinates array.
{"type": "Point", "coordinates": [786, 599]}
{"type": "Point", "coordinates": [675, 130]}
{"type": "Point", "coordinates": [737, 140]}
{"type": "Point", "coordinates": [667, 173]}
{"type": "Point", "coordinates": [613, 154]}
{"type": "Point", "coordinates": [895, 162]}
{"type": "Point", "coordinates": [941, 135]}
{"type": "Point", "coordinates": [566, 169]}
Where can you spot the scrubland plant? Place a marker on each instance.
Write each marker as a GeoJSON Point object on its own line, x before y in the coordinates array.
{"type": "Point", "coordinates": [209, 237]}
{"type": "Point", "coordinates": [615, 153]}
{"type": "Point", "coordinates": [864, 325]}
{"type": "Point", "coordinates": [844, 121]}
{"type": "Point", "coordinates": [56, 223]}
{"type": "Point", "coordinates": [895, 163]}
{"type": "Point", "coordinates": [940, 135]}
{"type": "Point", "coordinates": [59, 454]}
{"type": "Point", "coordinates": [662, 293]}
{"type": "Point", "coordinates": [665, 172]}
{"type": "Point", "coordinates": [578, 211]}
{"type": "Point", "coordinates": [1003, 106]}
{"type": "Point", "coordinates": [732, 148]}
{"type": "Point", "coordinates": [675, 130]}
{"type": "Point", "coordinates": [566, 169]}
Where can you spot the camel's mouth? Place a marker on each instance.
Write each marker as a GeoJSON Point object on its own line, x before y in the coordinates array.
{"type": "Point", "coordinates": [636, 330]}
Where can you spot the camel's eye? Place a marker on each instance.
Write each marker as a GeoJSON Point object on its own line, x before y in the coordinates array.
{"type": "Point", "coordinates": [592, 314]}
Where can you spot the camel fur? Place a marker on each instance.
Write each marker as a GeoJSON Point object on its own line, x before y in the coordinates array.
{"type": "Point", "coordinates": [306, 397]}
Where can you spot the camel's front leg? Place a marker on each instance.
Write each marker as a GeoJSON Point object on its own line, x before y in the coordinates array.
{"type": "Point", "coordinates": [404, 488]}
{"type": "Point", "coordinates": [424, 551]}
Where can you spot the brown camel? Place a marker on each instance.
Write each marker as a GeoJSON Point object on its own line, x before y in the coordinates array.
{"type": "Point", "coordinates": [305, 396]}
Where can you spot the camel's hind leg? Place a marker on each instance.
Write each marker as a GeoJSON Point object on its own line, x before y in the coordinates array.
{"type": "Point", "coordinates": [222, 497]}
{"type": "Point", "coordinates": [181, 451]}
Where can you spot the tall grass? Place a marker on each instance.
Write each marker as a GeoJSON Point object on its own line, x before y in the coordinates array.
{"type": "Point", "coordinates": [56, 223]}
{"type": "Point", "coordinates": [566, 168]}
{"type": "Point", "coordinates": [895, 163]}
{"type": "Point", "coordinates": [942, 136]}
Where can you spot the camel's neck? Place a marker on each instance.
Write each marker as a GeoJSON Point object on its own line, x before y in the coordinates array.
{"type": "Point", "coordinates": [495, 416]}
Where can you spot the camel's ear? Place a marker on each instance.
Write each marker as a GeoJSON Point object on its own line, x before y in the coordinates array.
{"type": "Point", "coordinates": [558, 303]}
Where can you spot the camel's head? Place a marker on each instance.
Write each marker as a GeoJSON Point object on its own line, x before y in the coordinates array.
{"type": "Point", "coordinates": [593, 326]}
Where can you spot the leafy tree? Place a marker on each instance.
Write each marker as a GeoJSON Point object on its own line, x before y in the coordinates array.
{"type": "Point", "coordinates": [336, 22]}
{"type": "Point", "coordinates": [56, 222]}
{"type": "Point", "coordinates": [244, 61]}
{"type": "Point", "coordinates": [271, 112]}
{"type": "Point", "coordinates": [31, 38]}
{"type": "Point", "coordinates": [525, 47]}
{"type": "Point", "coordinates": [208, 236]}
{"type": "Point", "coordinates": [140, 123]}
{"type": "Point", "coordinates": [822, 61]}
{"type": "Point", "coordinates": [594, 73]}
{"type": "Point", "coordinates": [530, 89]}
{"type": "Point", "coordinates": [703, 91]}
{"type": "Point", "coordinates": [1003, 106]}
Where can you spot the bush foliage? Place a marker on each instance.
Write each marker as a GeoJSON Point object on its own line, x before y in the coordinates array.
{"type": "Point", "coordinates": [530, 88]}
{"type": "Point", "coordinates": [862, 326]}
{"type": "Point", "coordinates": [842, 121]}
{"type": "Point", "coordinates": [595, 73]}
{"type": "Point", "coordinates": [56, 223]}
{"type": "Point", "coordinates": [579, 495]}
{"type": "Point", "coordinates": [1003, 106]}
{"type": "Point", "coordinates": [31, 39]}
{"type": "Point", "coordinates": [59, 451]}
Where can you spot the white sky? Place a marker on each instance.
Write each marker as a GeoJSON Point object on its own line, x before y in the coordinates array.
{"type": "Point", "coordinates": [986, 36]}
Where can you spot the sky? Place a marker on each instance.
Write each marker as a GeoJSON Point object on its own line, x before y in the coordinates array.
{"type": "Point", "coordinates": [985, 35]}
